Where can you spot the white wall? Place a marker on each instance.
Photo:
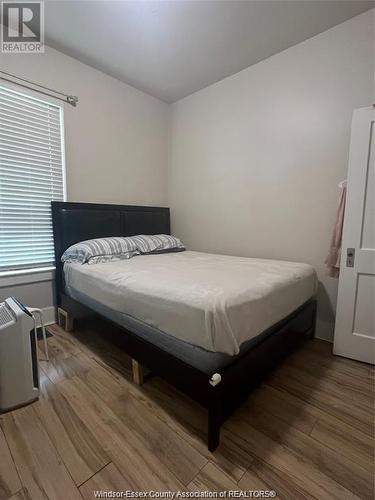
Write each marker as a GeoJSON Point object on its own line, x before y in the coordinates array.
{"type": "Point", "coordinates": [255, 159]}
{"type": "Point", "coordinates": [116, 141]}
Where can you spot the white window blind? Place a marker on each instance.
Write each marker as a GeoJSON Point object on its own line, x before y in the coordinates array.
{"type": "Point", "coordinates": [31, 175]}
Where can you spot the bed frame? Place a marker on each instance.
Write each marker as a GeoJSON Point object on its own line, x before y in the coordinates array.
{"type": "Point", "coordinates": [219, 393]}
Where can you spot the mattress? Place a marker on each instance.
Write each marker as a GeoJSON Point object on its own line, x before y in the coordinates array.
{"type": "Point", "coordinates": [214, 302]}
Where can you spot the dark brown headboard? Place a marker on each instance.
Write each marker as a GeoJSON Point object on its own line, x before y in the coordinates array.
{"type": "Point", "coordinates": [74, 222]}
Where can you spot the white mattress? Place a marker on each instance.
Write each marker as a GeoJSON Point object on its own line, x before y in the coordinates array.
{"type": "Point", "coordinates": [216, 302]}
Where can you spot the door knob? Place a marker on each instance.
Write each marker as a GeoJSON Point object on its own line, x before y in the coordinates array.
{"type": "Point", "coordinates": [350, 256]}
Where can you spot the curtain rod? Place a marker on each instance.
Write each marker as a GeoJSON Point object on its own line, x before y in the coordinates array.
{"type": "Point", "coordinates": [70, 99]}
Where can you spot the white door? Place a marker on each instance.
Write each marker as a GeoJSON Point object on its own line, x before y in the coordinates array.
{"type": "Point", "coordinates": [355, 314]}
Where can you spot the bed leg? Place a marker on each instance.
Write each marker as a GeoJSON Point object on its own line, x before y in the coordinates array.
{"type": "Point", "coordinates": [214, 424]}
{"type": "Point", "coordinates": [315, 310]}
{"type": "Point", "coordinates": [64, 319]}
{"type": "Point", "coordinates": [137, 372]}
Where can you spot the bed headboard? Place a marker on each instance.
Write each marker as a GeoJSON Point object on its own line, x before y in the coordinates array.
{"type": "Point", "coordinates": [74, 222]}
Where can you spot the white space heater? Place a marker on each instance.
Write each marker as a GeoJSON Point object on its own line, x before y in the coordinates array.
{"type": "Point", "coordinates": [19, 373]}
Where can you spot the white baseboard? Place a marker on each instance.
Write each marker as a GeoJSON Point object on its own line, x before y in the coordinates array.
{"type": "Point", "coordinates": [49, 316]}
{"type": "Point", "coordinates": [324, 330]}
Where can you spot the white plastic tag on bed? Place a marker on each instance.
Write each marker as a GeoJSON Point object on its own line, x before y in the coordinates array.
{"type": "Point", "coordinates": [215, 379]}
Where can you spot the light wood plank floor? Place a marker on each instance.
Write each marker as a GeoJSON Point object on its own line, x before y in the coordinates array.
{"type": "Point", "coordinates": [307, 432]}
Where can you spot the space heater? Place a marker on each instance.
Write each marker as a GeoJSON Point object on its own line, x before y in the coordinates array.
{"type": "Point", "coordinates": [19, 374]}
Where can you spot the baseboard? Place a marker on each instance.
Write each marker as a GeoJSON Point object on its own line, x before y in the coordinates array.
{"type": "Point", "coordinates": [324, 330]}
{"type": "Point", "coordinates": [49, 316]}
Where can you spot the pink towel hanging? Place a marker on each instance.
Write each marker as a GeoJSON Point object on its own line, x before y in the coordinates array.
{"type": "Point", "coordinates": [332, 261]}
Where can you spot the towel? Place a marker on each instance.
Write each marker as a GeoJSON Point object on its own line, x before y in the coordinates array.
{"type": "Point", "coordinates": [332, 261]}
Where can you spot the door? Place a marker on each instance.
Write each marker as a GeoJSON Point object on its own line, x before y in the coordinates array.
{"type": "Point", "coordinates": [355, 314]}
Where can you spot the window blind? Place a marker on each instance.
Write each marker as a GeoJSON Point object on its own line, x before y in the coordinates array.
{"type": "Point", "coordinates": [31, 175]}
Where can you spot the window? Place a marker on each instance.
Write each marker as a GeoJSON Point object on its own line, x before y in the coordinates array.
{"type": "Point", "coordinates": [31, 175]}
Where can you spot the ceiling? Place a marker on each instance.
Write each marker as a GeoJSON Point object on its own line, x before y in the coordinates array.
{"type": "Point", "coordinates": [171, 49]}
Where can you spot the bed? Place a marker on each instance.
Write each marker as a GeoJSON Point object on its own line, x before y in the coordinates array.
{"type": "Point", "coordinates": [211, 325]}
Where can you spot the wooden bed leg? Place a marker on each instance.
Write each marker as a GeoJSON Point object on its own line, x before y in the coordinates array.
{"type": "Point", "coordinates": [137, 372]}
{"type": "Point", "coordinates": [64, 319]}
{"type": "Point", "coordinates": [214, 424]}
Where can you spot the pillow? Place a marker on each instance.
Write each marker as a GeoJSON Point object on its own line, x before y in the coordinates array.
{"type": "Point", "coordinates": [107, 258]}
{"type": "Point", "coordinates": [157, 243]}
{"type": "Point", "coordinates": [100, 250]}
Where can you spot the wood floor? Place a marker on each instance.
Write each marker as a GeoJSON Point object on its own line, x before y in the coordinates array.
{"type": "Point", "coordinates": [307, 432]}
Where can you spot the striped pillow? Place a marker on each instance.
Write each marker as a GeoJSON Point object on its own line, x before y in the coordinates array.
{"type": "Point", "coordinates": [101, 250]}
{"type": "Point", "coordinates": [157, 243]}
